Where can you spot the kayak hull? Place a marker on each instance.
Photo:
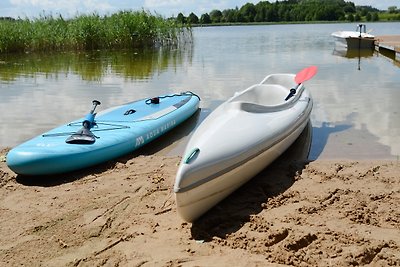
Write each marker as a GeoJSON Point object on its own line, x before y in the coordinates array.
{"type": "Point", "coordinates": [239, 139]}
{"type": "Point", "coordinates": [118, 131]}
{"type": "Point", "coordinates": [194, 203]}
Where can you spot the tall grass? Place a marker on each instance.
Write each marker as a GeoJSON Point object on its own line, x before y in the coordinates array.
{"type": "Point", "coordinates": [385, 16]}
{"type": "Point", "coordinates": [125, 29]}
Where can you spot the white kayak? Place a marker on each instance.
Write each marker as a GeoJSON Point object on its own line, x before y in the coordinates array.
{"type": "Point", "coordinates": [239, 139]}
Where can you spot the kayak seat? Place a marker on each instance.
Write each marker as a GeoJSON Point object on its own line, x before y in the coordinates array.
{"type": "Point", "coordinates": [264, 95]}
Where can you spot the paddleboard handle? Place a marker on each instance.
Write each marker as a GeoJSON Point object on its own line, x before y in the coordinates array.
{"type": "Point", "coordinates": [88, 122]}
{"type": "Point", "coordinates": [84, 136]}
{"type": "Point", "coordinates": [95, 104]}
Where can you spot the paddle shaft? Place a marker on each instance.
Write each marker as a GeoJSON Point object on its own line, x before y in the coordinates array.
{"type": "Point", "coordinates": [95, 104]}
{"type": "Point", "coordinates": [292, 92]}
{"type": "Point", "coordinates": [88, 122]}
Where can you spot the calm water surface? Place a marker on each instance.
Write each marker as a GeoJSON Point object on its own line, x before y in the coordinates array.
{"type": "Point", "coordinates": [356, 113]}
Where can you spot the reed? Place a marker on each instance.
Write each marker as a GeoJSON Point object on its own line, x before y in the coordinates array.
{"type": "Point", "coordinates": [125, 29]}
{"type": "Point", "coordinates": [385, 16]}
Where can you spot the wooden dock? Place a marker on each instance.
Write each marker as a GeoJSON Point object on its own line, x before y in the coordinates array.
{"type": "Point", "coordinates": [389, 43]}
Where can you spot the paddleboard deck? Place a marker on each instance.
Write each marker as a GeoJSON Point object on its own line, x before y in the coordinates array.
{"type": "Point", "coordinates": [117, 131]}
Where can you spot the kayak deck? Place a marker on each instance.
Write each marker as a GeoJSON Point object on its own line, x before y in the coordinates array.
{"type": "Point", "coordinates": [238, 139]}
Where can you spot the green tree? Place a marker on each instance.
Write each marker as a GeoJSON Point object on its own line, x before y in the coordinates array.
{"type": "Point", "coordinates": [216, 16]}
{"type": "Point", "coordinates": [294, 10]}
{"type": "Point", "coordinates": [349, 8]}
{"type": "Point", "coordinates": [271, 14]}
{"type": "Point", "coordinates": [239, 17]}
{"type": "Point", "coordinates": [248, 12]}
{"type": "Point", "coordinates": [375, 16]}
{"type": "Point", "coordinates": [205, 19]}
{"type": "Point", "coordinates": [363, 12]}
{"type": "Point", "coordinates": [261, 11]}
{"type": "Point", "coordinates": [393, 9]}
{"type": "Point", "coordinates": [181, 18]}
{"type": "Point", "coordinates": [193, 19]}
{"type": "Point", "coordinates": [229, 15]}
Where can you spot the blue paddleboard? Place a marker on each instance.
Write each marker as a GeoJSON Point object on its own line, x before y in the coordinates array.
{"type": "Point", "coordinates": [101, 137]}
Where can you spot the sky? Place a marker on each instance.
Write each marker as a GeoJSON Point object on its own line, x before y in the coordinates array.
{"type": "Point", "coordinates": [166, 8]}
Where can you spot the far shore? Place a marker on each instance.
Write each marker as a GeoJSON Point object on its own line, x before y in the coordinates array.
{"type": "Point", "coordinates": [288, 23]}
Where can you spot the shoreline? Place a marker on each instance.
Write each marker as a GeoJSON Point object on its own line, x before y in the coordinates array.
{"type": "Point", "coordinates": [295, 212]}
{"type": "Point", "coordinates": [222, 24]}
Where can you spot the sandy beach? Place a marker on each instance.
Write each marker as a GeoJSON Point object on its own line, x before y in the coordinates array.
{"type": "Point", "coordinates": [122, 213]}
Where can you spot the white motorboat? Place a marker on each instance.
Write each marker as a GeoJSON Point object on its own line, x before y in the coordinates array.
{"type": "Point", "coordinates": [358, 39]}
{"type": "Point", "coordinates": [239, 139]}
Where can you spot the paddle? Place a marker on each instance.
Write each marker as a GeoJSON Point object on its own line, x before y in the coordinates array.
{"type": "Point", "coordinates": [304, 75]}
{"type": "Point", "coordinates": [84, 135]}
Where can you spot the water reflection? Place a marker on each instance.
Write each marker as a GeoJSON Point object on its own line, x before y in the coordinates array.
{"type": "Point", "coordinates": [391, 55]}
{"type": "Point", "coordinates": [39, 92]}
{"type": "Point", "coordinates": [353, 53]}
{"type": "Point", "coordinates": [92, 65]}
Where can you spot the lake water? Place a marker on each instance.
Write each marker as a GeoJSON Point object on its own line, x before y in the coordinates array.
{"type": "Point", "coordinates": [356, 112]}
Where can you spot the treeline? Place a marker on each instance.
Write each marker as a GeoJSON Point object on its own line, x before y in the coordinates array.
{"type": "Point", "coordinates": [286, 11]}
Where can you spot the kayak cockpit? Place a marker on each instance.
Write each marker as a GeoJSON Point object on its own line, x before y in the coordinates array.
{"type": "Point", "coordinates": [263, 98]}
{"type": "Point", "coordinates": [263, 94]}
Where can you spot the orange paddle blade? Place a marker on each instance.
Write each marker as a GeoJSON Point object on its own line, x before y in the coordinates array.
{"type": "Point", "coordinates": [305, 74]}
